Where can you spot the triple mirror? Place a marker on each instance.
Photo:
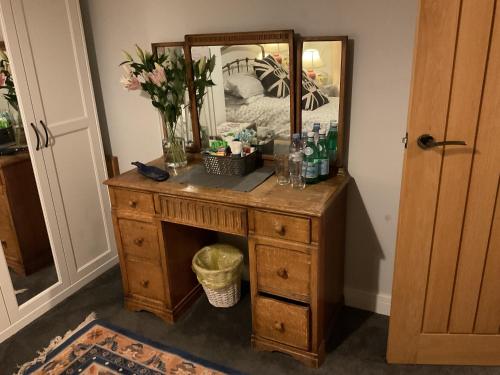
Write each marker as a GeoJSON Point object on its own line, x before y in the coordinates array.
{"type": "Point", "coordinates": [265, 85]}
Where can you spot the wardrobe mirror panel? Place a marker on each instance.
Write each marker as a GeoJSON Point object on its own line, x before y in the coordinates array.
{"type": "Point", "coordinates": [23, 234]}
{"type": "Point", "coordinates": [184, 127]}
{"type": "Point", "coordinates": [322, 83]}
{"type": "Point", "coordinates": [243, 90]}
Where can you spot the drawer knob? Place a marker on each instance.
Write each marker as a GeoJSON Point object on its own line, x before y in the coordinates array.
{"type": "Point", "coordinates": [139, 241]}
{"type": "Point", "coordinates": [132, 203]}
{"type": "Point", "coordinates": [283, 273]}
{"type": "Point", "coordinates": [144, 283]}
{"type": "Point", "coordinates": [279, 228]}
{"type": "Point", "coordinates": [279, 326]}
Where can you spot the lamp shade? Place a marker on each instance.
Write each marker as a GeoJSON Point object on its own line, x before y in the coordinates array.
{"type": "Point", "coordinates": [311, 59]}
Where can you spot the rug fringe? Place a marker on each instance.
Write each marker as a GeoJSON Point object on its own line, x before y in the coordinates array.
{"type": "Point", "coordinates": [54, 343]}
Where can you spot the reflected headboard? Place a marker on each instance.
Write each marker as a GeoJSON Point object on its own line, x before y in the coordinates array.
{"type": "Point", "coordinates": [240, 64]}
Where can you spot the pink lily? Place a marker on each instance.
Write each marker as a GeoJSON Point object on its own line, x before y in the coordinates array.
{"type": "Point", "coordinates": [130, 81]}
{"type": "Point", "coordinates": [157, 76]}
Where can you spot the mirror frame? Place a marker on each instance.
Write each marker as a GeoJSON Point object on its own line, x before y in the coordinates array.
{"type": "Point", "coordinates": [154, 50]}
{"type": "Point", "coordinates": [227, 39]}
{"type": "Point", "coordinates": [298, 105]}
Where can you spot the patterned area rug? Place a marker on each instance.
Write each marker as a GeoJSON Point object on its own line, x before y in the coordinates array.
{"type": "Point", "coordinates": [99, 348]}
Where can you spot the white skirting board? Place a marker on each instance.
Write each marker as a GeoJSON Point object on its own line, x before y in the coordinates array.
{"type": "Point", "coordinates": [371, 301]}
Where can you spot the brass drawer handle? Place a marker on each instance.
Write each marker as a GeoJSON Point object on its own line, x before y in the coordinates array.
{"type": "Point", "coordinates": [132, 203]}
{"type": "Point", "coordinates": [283, 273]}
{"type": "Point", "coordinates": [279, 228]}
{"type": "Point", "coordinates": [144, 283]}
{"type": "Point", "coordinates": [139, 241]}
{"type": "Point", "coordinates": [279, 326]}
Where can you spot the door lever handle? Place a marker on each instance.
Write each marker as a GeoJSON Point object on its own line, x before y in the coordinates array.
{"type": "Point", "coordinates": [426, 141]}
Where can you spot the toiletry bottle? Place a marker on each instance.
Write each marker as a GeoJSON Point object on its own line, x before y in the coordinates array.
{"type": "Point", "coordinates": [324, 169]}
{"type": "Point", "coordinates": [311, 160]}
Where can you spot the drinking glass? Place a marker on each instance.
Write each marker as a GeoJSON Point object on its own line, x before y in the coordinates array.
{"type": "Point", "coordinates": [281, 169]}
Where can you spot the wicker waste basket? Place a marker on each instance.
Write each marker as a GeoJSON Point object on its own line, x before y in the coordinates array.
{"type": "Point", "coordinates": [218, 269]}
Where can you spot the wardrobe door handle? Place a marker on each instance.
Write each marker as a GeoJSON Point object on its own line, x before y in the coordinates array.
{"type": "Point", "coordinates": [37, 136]}
{"type": "Point", "coordinates": [46, 134]}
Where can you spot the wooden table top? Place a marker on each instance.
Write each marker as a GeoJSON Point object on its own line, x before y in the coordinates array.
{"type": "Point", "coordinates": [311, 201]}
{"type": "Point", "coordinates": [14, 158]}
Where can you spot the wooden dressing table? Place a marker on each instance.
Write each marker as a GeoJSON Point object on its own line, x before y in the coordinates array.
{"type": "Point", "coordinates": [296, 252]}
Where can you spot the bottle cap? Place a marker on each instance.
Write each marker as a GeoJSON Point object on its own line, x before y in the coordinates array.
{"type": "Point", "coordinates": [310, 135]}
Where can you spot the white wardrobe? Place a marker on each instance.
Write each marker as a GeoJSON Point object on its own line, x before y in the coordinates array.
{"type": "Point", "coordinates": [48, 59]}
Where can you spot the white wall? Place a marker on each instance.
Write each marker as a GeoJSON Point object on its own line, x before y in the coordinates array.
{"type": "Point", "coordinates": [382, 32]}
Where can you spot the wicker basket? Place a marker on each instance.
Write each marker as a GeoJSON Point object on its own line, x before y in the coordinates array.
{"type": "Point", "coordinates": [218, 269]}
{"type": "Point", "coordinates": [231, 165]}
{"type": "Point", "coordinates": [225, 297]}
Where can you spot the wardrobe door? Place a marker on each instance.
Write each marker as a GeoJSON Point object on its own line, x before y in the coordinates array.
{"type": "Point", "coordinates": [33, 271]}
{"type": "Point", "coordinates": [55, 60]}
{"type": "Point", "coordinates": [4, 317]}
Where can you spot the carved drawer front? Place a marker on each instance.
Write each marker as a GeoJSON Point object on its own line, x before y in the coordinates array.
{"type": "Point", "coordinates": [145, 280]}
{"type": "Point", "coordinates": [214, 216]}
{"type": "Point", "coordinates": [283, 322]}
{"type": "Point", "coordinates": [282, 226]}
{"type": "Point", "coordinates": [139, 239]}
{"type": "Point", "coordinates": [283, 272]}
{"type": "Point", "coordinates": [133, 201]}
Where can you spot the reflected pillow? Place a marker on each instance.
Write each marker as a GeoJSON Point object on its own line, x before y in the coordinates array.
{"type": "Point", "coordinates": [273, 77]}
{"type": "Point", "coordinates": [312, 97]}
{"type": "Point", "coordinates": [243, 86]}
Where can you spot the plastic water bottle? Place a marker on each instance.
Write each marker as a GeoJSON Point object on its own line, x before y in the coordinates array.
{"type": "Point", "coordinates": [310, 169]}
{"type": "Point", "coordinates": [295, 162]}
{"type": "Point", "coordinates": [324, 168]}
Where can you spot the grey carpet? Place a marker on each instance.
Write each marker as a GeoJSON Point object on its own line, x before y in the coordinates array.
{"type": "Point", "coordinates": [219, 335]}
{"type": "Point", "coordinates": [34, 284]}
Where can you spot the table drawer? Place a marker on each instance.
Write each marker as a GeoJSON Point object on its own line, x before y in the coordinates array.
{"type": "Point", "coordinates": [283, 272]}
{"type": "Point", "coordinates": [219, 217]}
{"type": "Point", "coordinates": [287, 227]}
{"type": "Point", "coordinates": [139, 239]}
{"type": "Point", "coordinates": [281, 321]}
{"type": "Point", "coordinates": [145, 280]}
{"type": "Point", "coordinates": [133, 201]}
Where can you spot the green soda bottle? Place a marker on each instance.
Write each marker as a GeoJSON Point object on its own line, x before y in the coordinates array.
{"type": "Point", "coordinates": [310, 168]}
{"type": "Point", "coordinates": [331, 142]}
{"type": "Point", "coordinates": [324, 162]}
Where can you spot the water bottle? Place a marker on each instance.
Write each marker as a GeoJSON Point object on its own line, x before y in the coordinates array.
{"type": "Point", "coordinates": [310, 168]}
{"type": "Point", "coordinates": [324, 165]}
{"type": "Point", "coordinates": [315, 129]}
{"type": "Point", "coordinates": [331, 142]}
{"type": "Point", "coordinates": [295, 163]}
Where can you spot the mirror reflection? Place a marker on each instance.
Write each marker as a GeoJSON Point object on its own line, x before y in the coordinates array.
{"type": "Point", "coordinates": [321, 80]}
{"type": "Point", "coordinates": [185, 128]}
{"type": "Point", "coordinates": [247, 94]}
{"type": "Point", "coordinates": [23, 234]}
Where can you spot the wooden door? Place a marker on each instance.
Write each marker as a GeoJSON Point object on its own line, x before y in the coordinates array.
{"type": "Point", "coordinates": [55, 61]}
{"type": "Point", "coordinates": [446, 293]}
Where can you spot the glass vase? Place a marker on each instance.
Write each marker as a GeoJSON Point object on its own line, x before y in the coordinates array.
{"type": "Point", "coordinates": [174, 152]}
{"type": "Point", "coordinates": [19, 135]}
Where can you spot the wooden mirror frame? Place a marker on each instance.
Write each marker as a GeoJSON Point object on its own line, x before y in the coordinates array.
{"type": "Point", "coordinates": [342, 92]}
{"type": "Point", "coordinates": [240, 38]}
{"type": "Point", "coordinates": [154, 50]}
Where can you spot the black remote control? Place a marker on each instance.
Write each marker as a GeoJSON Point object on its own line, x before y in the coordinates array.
{"type": "Point", "coordinates": [153, 173]}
